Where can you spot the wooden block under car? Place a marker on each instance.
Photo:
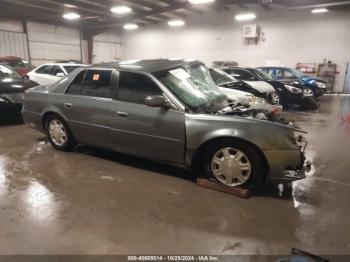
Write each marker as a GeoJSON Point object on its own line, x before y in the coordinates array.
{"type": "Point", "coordinates": [237, 191]}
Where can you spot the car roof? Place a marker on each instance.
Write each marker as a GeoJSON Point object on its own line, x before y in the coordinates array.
{"type": "Point", "coordinates": [237, 67]}
{"type": "Point", "coordinates": [275, 67]}
{"type": "Point", "coordinates": [63, 64]}
{"type": "Point", "coordinates": [148, 65]}
{"type": "Point", "coordinates": [9, 58]}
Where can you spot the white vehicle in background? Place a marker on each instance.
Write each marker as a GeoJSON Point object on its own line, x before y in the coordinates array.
{"type": "Point", "coordinates": [48, 74]}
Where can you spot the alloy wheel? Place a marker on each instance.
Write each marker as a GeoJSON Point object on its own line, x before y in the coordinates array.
{"type": "Point", "coordinates": [58, 133]}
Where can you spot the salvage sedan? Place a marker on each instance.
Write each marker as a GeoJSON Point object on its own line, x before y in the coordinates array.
{"type": "Point", "coordinates": [166, 110]}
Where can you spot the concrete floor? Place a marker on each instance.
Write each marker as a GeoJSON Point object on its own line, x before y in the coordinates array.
{"type": "Point", "coordinates": [95, 202]}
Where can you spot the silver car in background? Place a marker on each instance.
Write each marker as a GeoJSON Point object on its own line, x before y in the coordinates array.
{"type": "Point", "coordinates": [165, 110]}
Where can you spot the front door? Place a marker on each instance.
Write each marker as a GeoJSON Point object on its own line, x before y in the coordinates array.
{"type": "Point", "coordinates": [154, 133]}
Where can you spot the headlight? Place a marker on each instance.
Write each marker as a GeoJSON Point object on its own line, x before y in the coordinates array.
{"type": "Point", "coordinates": [321, 85]}
{"type": "Point", "coordinates": [293, 89]}
{"type": "Point", "coordinates": [2, 100]}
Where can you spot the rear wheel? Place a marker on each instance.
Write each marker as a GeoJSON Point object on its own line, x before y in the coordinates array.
{"type": "Point", "coordinates": [59, 134]}
{"type": "Point", "coordinates": [234, 163]}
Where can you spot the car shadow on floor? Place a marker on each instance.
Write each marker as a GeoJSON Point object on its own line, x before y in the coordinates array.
{"type": "Point", "coordinates": [138, 163]}
{"type": "Point", "coordinates": [268, 190]}
{"type": "Point", "coordinates": [11, 121]}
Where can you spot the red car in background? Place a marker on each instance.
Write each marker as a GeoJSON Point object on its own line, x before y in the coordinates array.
{"type": "Point", "coordinates": [22, 67]}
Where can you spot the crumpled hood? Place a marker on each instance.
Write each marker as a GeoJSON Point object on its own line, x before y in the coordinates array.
{"type": "Point", "coordinates": [261, 86]}
{"type": "Point", "coordinates": [236, 95]}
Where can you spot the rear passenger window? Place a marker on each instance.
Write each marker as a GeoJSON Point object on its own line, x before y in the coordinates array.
{"type": "Point", "coordinates": [94, 83]}
{"type": "Point", "coordinates": [279, 73]}
{"type": "Point", "coordinates": [134, 88]}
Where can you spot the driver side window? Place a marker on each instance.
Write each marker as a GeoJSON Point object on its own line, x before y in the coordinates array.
{"type": "Point", "coordinates": [55, 70]}
{"type": "Point", "coordinates": [288, 74]}
{"type": "Point", "coordinates": [46, 69]}
{"type": "Point", "coordinates": [134, 88]}
{"type": "Point", "coordinates": [242, 75]}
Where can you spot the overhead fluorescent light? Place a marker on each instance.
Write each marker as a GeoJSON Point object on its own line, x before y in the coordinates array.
{"type": "Point", "coordinates": [69, 6]}
{"type": "Point", "coordinates": [176, 23]}
{"type": "Point", "coordinates": [245, 17]}
{"type": "Point", "coordinates": [198, 2]}
{"type": "Point", "coordinates": [121, 9]}
{"type": "Point", "coordinates": [71, 16]}
{"type": "Point", "coordinates": [131, 26]}
{"type": "Point", "coordinates": [319, 10]}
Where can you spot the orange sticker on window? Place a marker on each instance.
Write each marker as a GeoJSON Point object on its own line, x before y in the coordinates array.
{"type": "Point", "coordinates": [96, 77]}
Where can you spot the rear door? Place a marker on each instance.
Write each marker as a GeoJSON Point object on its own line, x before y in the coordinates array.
{"type": "Point", "coordinates": [154, 133]}
{"type": "Point", "coordinates": [88, 105]}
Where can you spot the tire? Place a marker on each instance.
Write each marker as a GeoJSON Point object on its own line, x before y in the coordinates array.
{"type": "Point", "coordinates": [310, 104]}
{"type": "Point", "coordinates": [59, 134]}
{"type": "Point", "coordinates": [251, 165]}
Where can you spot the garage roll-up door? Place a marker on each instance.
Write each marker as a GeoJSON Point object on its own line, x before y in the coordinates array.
{"type": "Point", "coordinates": [13, 44]}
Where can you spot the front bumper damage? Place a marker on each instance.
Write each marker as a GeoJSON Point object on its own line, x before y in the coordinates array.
{"type": "Point", "coordinates": [298, 171]}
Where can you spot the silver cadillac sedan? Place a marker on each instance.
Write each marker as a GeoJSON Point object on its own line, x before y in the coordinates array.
{"type": "Point", "coordinates": [165, 110]}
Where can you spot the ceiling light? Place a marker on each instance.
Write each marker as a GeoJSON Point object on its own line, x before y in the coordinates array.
{"type": "Point", "coordinates": [176, 23]}
{"type": "Point", "coordinates": [71, 16]}
{"type": "Point", "coordinates": [198, 2]}
{"type": "Point", "coordinates": [69, 6]}
{"type": "Point", "coordinates": [130, 26]}
{"type": "Point", "coordinates": [245, 17]}
{"type": "Point", "coordinates": [319, 10]}
{"type": "Point", "coordinates": [121, 10]}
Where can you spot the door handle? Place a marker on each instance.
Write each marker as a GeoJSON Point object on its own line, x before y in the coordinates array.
{"type": "Point", "coordinates": [123, 114]}
{"type": "Point", "coordinates": [69, 105]}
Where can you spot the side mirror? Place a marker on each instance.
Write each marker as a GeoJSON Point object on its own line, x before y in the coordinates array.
{"type": "Point", "coordinates": [60, 74]}
{"type": "Point", "coordinates": [157, 101]}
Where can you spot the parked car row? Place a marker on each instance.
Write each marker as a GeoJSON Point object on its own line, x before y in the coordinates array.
{"type": "Point", "coordinates": [170, 111]}
{"type": "Point", "coordinates": [290, 92]}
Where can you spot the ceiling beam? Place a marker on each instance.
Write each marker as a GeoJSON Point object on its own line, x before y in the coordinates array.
{"type": "Point", "coordinates": [330, 4]}
{"type": "Point", "coordinates": [140, 15]}
{"type": "Point", "coordinates": [28, 4]}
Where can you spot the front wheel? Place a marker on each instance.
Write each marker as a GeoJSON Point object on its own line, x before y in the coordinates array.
{"type": "Point", "coordinates": [309, 103]}
{"type": "Point", "coordinates": [234, 163]}
{"type": "Point", "coordinates": [59, 134]}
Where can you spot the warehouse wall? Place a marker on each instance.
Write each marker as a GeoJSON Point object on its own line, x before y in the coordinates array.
{"type": "Point", "coordinates": [107, 47]}
{"type": "Point", "coordinates": [13, 41]}
{"type": "Point", "coordinates": [48, 43]}
{"type": "Point", "coordinates": [290, 37]}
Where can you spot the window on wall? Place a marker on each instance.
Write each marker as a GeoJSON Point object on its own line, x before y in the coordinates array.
{"type": "Point", "coordinates": [134, 88]}
{"type": "Point", "coordinates": [95, 83]}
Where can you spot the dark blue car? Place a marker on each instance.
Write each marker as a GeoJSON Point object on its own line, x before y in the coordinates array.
{"type": "Point", "coordinates": [317, 85]}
